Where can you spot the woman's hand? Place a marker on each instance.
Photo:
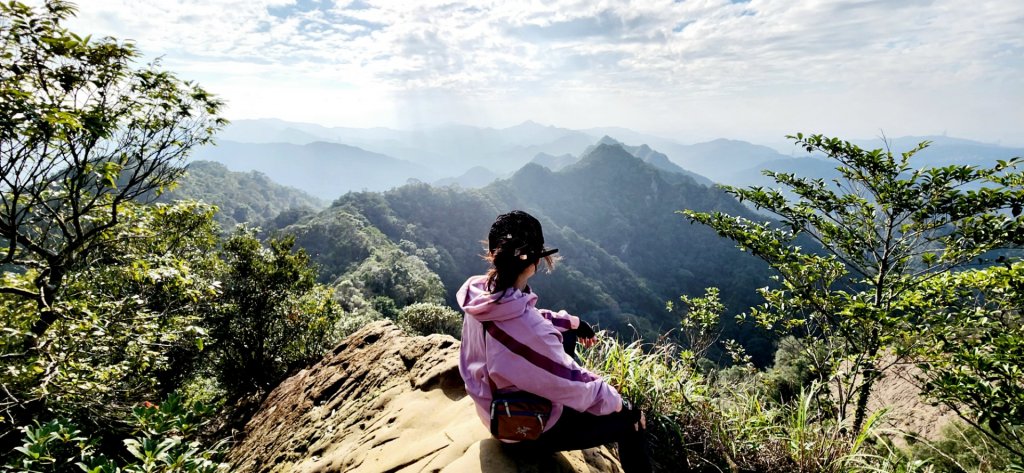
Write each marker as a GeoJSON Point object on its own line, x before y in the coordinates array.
{"type": "Point", "coordinates": [585, 335]}
{"type": "Point", "coordinates": [641, 422]}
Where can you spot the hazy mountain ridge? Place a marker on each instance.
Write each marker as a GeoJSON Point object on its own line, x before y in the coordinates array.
{"type": "Point", "coordinates": [455, 152]}
{"type": "Point", "coordinates": [945, 150]}
{"type": "Point", "coordinates": [942, 151]}
{"type": "Point", "coordinates": [250, 197]}
{"type": "Point", "coordinates": [323, 169]}
{"type": "Point", "coordinates": [474, 178]}
{"type": "Point", "coordinates": [453, 147]}
{"type": "Point", "coordinates": [552, 162]}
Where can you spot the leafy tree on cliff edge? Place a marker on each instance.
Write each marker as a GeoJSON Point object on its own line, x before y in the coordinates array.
{"type": "Point", "coordinates": [132, 325]}
{"type": "Point", "coordinates": [886, 228]}
{"type": "Point", "coordinates": [83, 132]}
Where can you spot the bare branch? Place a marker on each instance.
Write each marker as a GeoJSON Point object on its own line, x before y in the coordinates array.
{"type": "Point", "coordinates": [17, 291]}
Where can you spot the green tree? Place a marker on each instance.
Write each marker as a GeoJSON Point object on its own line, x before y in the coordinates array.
{"type": "Point", "coordinates": [884, 228]}
{"type": "Point", "coordinates": [83, 132]}
{"type": "Point", "coordinates": [972, 357]}
{"type": "Point", "coordinates": [700, 321]}
{"type": "Point", "coordinates": [392, 272]}
{"type": "Point", "coordinates": [131, 324]}
{"type": "Point", "coordinates": [273, 317]}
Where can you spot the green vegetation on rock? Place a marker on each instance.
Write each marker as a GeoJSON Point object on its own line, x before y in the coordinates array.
{"type": "Point", "coordinates": [425, 318]}
{"type": "Point", "coordinates": [886, 228]}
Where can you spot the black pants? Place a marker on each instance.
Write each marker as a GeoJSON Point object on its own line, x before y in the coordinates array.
{"type": "Point", "coordinates": [569, 345]}
{"type": "Point", "coordinates": [579, 430]}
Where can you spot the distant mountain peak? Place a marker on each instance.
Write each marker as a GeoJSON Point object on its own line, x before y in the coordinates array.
{"type": "Point", "coordinates": [530, 125]}
{"type": "Point", "coordinates": [553, 162]}
{"type": "Point", "coordinates": [608, 151]}
{"type": "Point", "coordinates": [532, 171]}
{"type": "Point", "coordinates": [643, 153]}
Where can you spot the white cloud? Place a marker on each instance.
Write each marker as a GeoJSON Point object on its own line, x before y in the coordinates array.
{"type": "Point", "coordinates": [763, 67]}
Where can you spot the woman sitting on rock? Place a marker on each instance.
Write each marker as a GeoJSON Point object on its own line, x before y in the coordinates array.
{"type": "Point", "coordinates": [510, 347]}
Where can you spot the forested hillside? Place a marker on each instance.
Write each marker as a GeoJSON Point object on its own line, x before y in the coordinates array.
{"type": "Point", "coordinates": [241, 197]}
{"type": "Point", "coordinates": [625, 251]}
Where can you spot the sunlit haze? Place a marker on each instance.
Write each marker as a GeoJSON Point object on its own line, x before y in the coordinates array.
{"type": "Point", "coordinates": [689, 70]}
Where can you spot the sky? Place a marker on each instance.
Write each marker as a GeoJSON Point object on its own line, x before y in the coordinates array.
{"type": "Point", "coordinates": [690, 70]}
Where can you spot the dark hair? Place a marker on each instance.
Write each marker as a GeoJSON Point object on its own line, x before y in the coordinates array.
{"type": "Point", "coordinates": [506, 268]}
{"type": "Point", "coordinates": [514, 243]}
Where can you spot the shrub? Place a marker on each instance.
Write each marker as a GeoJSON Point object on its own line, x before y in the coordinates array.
{"type": "Point", "coordinates": [385, 306]}
{"type": "Point", "coordinates": [792, 371]}
{"type": "Point", "coordinates": [965, 448]}
{"type": "Point", "coordinates": [165, 442]}
{"type": "Point", "coordinates": [730, 423]}
{"type": "Point", "coordinates": [352, 321]}
{"type": "Point", "coordinates": [273, 317]}
{"type": "Point", "coordinates": [425, 318]}
{"type": "Point", "coordinates": [657, 382]}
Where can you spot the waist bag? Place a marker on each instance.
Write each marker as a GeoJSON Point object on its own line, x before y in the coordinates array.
{"type": "Point", "coordinates": [516, 415]}
{"type": "Point", "coordinates": [519, 416]}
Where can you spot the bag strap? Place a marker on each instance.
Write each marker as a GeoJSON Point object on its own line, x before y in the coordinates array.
{"type": "Point", "coordinates": [487, 327]}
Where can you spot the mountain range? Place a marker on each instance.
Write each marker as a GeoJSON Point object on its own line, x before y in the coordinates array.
{"type": "Point", "coordinates": [323, 169]}
{"type": "Point", "coordinates": [625, 251]}
{"type": "Point", "coordinates": [329, 162]}
{"type": "Point", "coordinates": [610, 207]}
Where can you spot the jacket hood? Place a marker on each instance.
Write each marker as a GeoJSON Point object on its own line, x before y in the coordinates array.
{"type": "Point", "coordinates": [483, 306]}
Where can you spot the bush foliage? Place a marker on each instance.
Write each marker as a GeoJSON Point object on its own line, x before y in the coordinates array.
{"type": "Point", "coordinates": [272, 317]}
{"type": "Point", "coordinates": [165, 441]}
{"type": "Point", "coordinates": [425, 318]}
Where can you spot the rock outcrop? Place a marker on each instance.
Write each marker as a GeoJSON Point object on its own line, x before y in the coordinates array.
{"type": "Point", "coordinates": [899, 392]}
{"type": "Point", "coordinates": [385, 402]}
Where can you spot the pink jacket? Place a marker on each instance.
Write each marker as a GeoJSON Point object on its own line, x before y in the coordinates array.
{"type": "Point", "coordinates": [527, 356]}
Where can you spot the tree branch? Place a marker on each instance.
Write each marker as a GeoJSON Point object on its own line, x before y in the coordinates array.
{"type": "Point", "coordinates": [17, 291]}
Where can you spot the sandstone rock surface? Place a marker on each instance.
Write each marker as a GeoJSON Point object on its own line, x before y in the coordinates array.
{"type": "Point", "coordinates": [383, 401]}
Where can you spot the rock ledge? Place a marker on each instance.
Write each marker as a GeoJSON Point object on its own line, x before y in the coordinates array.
{"type": "Point", "coordinates": [383, 401]}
